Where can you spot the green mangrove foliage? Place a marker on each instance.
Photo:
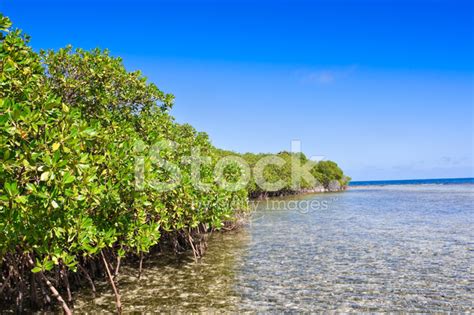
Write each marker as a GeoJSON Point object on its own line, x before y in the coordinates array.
{"type": "Point", "coordinates": [86, 150]}
{"type": "Point", "coordinates": [289, 173]}
{"type": "Point", "coordinates": [74, 126]}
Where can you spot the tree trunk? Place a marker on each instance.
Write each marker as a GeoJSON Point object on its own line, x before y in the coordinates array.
{"type": "Point", "coordinates": [140, 266]}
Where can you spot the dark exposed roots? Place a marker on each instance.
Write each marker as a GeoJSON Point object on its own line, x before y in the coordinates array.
{"type": "Point", "coordinates": [22, 290]}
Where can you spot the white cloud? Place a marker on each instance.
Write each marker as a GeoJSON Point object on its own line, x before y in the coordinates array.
{"type": "Point", "coordinates": [325, 76]}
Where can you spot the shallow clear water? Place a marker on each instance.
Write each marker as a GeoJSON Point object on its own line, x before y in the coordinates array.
{"type": "Point", "coordinates": [374, 248]}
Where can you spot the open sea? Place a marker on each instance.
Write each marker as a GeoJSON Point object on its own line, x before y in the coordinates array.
{"type": "Point", "coordinates": [436, 181]}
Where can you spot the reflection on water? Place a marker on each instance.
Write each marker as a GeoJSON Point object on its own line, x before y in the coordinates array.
{"type": "Point", "coordinates": [386, 248]}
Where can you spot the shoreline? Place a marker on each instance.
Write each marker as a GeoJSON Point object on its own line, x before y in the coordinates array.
{"type": "Point", "coordinates": [287, 193]}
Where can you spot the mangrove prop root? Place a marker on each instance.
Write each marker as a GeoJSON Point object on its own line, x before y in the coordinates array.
{"type": "Point", "coordinates": [20, 288]}
{"type": "Point", "coordinates": [118, 303]}
{"type": "Point", "coordinates": [66, 283]}
{"type": "Point", "coordinates": [53, 290]}
{"type": "Point", "coordinates": [89, 279]}
{"type": "Point", "coordinates": [117, 267]}
{"type": "Point", "coordinates": [47, 299]}
{"type": "Point", "coordinates": [34, 299]}
{"type": "Point", "coordinates": [7, 280]}
{"type": "Point", "coordinates": [191, 242]}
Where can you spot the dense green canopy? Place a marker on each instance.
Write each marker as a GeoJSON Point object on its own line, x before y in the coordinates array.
{"type": "Point", "coordinates": [281, 176]}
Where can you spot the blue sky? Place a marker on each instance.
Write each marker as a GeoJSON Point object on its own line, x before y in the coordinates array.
{"type": "Point", "coordinates": [385, 88]}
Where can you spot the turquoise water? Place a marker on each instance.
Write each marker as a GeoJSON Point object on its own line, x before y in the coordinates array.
{"type": "Point", "coordinates": [371, 248]}
{"type": "Point", "coordinates": [436, 181]}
